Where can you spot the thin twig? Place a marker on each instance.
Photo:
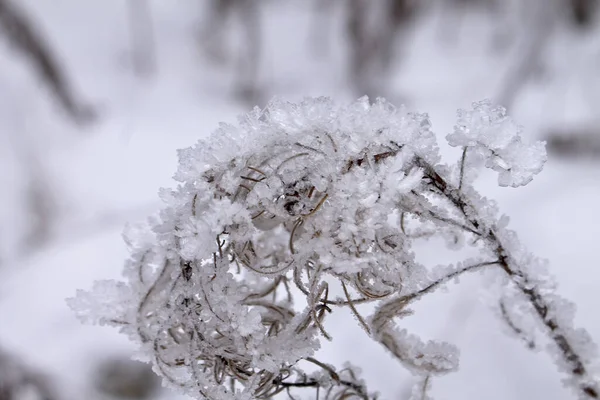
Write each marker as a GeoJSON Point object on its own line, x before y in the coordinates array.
{"type": "Point", "coordinates": [462, 168]}
{"type": "Point", "coordinates": [513, 327]}
{"type": "Point", "coordinates": [588, 385]}
{"type": "Point", "coordinates": [354, 310]}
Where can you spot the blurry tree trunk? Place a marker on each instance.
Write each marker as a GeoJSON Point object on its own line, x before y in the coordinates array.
{"type": "Point", "coordinates": [359, 46]}
{"type": "Point", "coordinates": [247, 58]}
{"type": "Point", "coordinates": [22, 34]}
{"type": "Point", "coordinates": [320, 32]}
{"type": "Point", "coordinates": [213, 31]}
{"type": "Point", "coordinates": [541, 16]}
{"type": "Point", "coordinates": [249, 54]}
{"type": "Point", "coordinates": [122, 378]}
{"type": "Point", "coordinates": [399, 14]}
{"type": "Point", "coordinates": [503, 35]}
{"type": "Point", "coordinates": [453, 13]}
{"type": "Point", "coordinates": [373, 29]}
{"type": "Point", "coordinates": [360, 51]}
{"type": "Point", "coordinates": [582, 12]}
{"type": "Point", "coordinates": [143, 42]}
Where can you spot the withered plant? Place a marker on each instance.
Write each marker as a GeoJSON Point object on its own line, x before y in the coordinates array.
{"type": "Point", "coordinates": [227, 291]}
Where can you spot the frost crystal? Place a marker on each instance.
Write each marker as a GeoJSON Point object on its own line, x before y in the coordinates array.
{"type": "Point", "coordinates": [296, 198]}
{"type": "Point", "coordinates": [495, 138]}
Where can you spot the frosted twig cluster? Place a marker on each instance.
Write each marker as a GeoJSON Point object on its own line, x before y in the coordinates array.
{"type": "Point", "coordinates": [300, 209]}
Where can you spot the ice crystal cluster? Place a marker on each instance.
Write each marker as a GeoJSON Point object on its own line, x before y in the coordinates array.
{"type": "Point", "coordinates": [300, 209]}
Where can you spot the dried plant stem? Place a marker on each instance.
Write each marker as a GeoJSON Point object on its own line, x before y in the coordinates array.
{"type": "Point", "coordinates": [210, 319]}
{"type": "Point", "coordinates": [588, 387]}
{"type": "Point", "coordinates": [463, 158]}
{"type": "Point", "coordinates": [505, 315]}
{"type": "Point", "coordinates": [424, 385]}
{"type": "Point", "coordinates": [393, 307]}
{"type": "Point", "coordinates": [361, 320]}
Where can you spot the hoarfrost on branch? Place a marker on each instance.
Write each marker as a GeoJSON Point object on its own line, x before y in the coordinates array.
{"type": "Point", "coordinates": [297, 196]}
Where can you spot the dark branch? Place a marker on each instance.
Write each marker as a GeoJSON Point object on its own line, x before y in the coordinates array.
{"type": "Point", "coordinates": [21, 33]}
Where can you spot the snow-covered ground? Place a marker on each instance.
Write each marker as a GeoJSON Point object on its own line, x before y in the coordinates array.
{"type": "Point", "coordinates": [109, 173]}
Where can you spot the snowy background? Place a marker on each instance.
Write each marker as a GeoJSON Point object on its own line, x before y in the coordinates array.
{"type": "Point", "coordinates": [93, 178]}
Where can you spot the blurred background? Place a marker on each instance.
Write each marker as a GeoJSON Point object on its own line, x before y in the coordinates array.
{"type": "Point", "coordinates": [97, 95]}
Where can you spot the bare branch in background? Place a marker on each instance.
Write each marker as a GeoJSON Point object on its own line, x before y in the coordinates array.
{"type": "Point", "coordinates": [575, 142]}
{"type": "Point", "coordinates": [24, 37]}
{"type": "Point", "coordinates": [541, 16]}
{"type": "Point", "coordinates": [143, 41]}
{"type": "Point", "coordinates": [320, 33]}
{"type": "Point", "coordinates": [246, 61]}
{"type": "Point", "coordinates": [18, 382]}
{"type": "Point", "coordinates": [120, 377]}
{"type": "Point", "coordinates": [42, 209]}
{"type": "Point", "coordinates": [39, 202]}
{"type": "Point", "coordinates": [249, 55]}
{"type": "Point", "coordinates": [583, 12]}
{"type": "Point", "coordinates": [373, 31]}
{"type": "Point", "coordinates": [455, 11]}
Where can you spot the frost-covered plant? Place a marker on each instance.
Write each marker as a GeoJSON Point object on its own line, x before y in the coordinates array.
{"type": "Point", "coordinates": [228, 290]}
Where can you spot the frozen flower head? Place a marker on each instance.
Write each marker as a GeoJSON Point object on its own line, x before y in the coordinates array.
{"type": "Point", "coordinates": [307, 184]}
{"type": "Point", "coordinates": [292, 199]}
